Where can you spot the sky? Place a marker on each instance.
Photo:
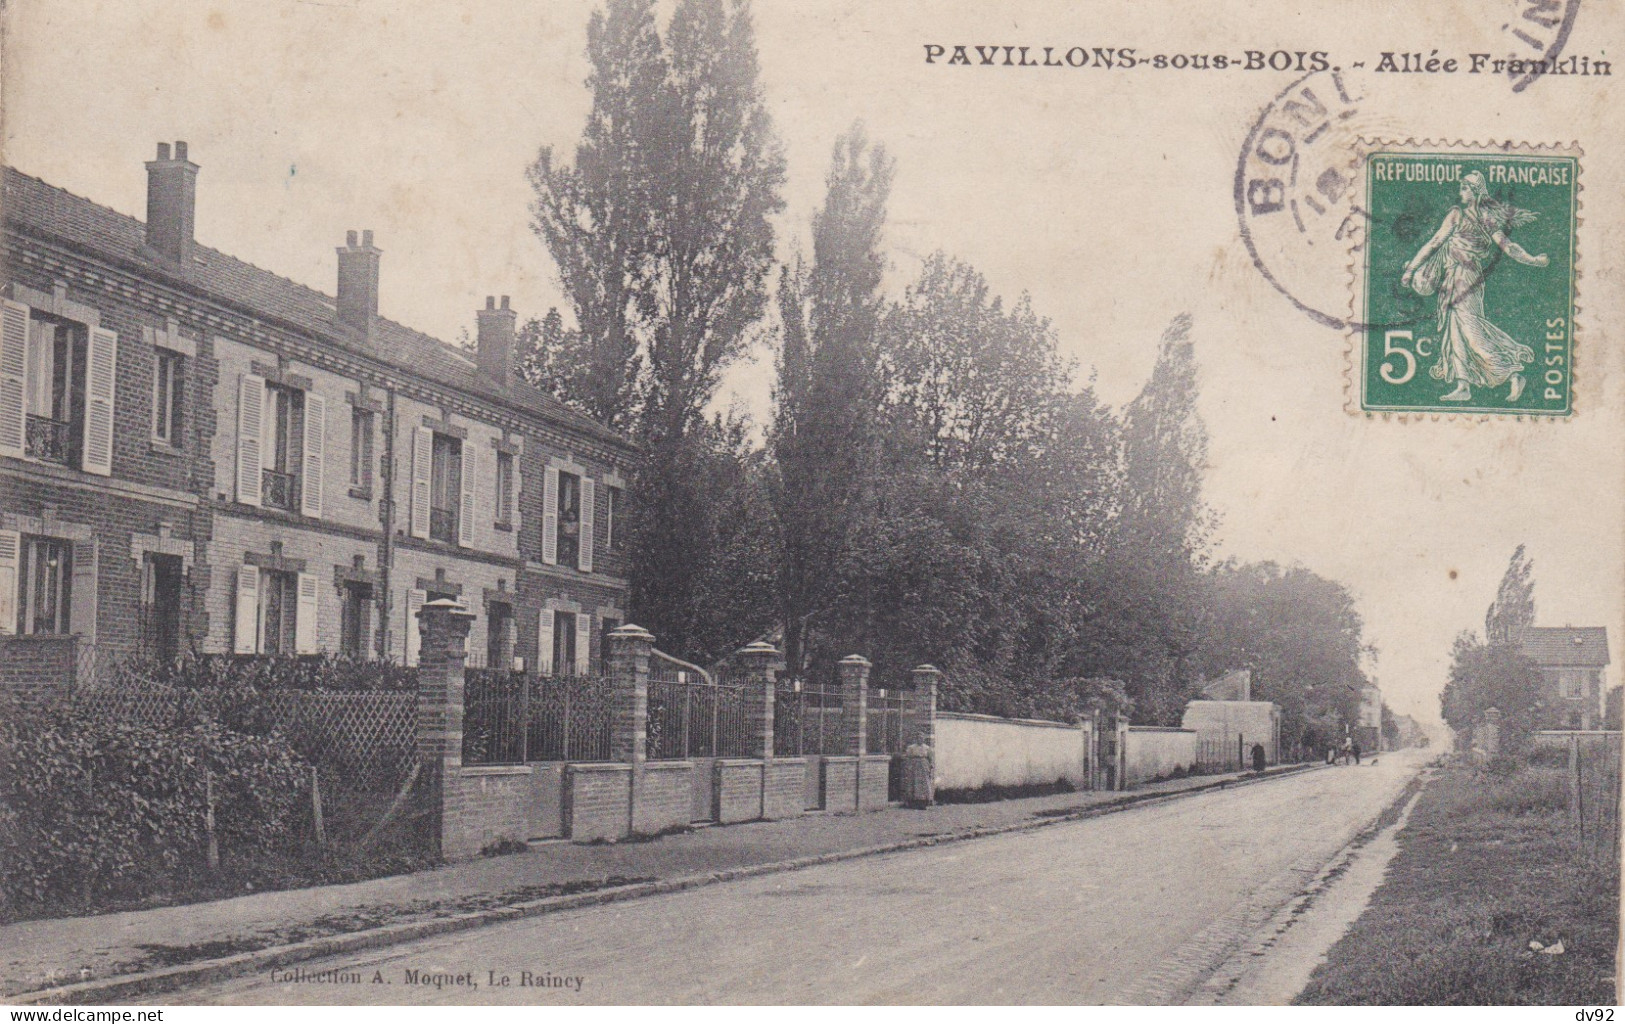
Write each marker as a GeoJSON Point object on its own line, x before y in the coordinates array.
{"type": "Point", "coordinates": [1105, 194]}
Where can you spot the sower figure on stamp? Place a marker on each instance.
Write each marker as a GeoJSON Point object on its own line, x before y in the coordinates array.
{"type": "Point", "coordinates": [1453, 264]}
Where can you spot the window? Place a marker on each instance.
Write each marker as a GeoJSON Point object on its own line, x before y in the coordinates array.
{"type": "Point", "coordinates": [1573, 684]}
{"type": "Point", "coordinates": [499, 636]}
{"type": "Point", "coordinates": [44, 585]}
{"type": "Point", "coordinates": [279, 611]}
{"type": "Point", "coordinates": [167, 383]}
{"type": "Point", "coordinates": [564, 643]}
{"type": "Point", "coordinates": [612, 526]}
{"type": "Point", "coordinates": [285, 426]}
{"type": "Point", "coordinates": [361, 449]}
{"type": "Point", "coordinates": [569, 519]}
{"type": "Point", "coordinates": [55, 390]}
{"type": "Point", "coordinates": [161, 605]}
{"type": "Point", "coordinates": [504, 488]}
{"type": "Point", "coordinates": [355, 622]}
{"type": "Point", "coordinates": [445, 488]}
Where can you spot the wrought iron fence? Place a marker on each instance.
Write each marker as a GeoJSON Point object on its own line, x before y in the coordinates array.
{"type": "Point", "coordinates": [50, 440]}
{"type": "Point", "coordinates": [693, 714]}
{"type": "Point", "coordinates": [279, 490]}
{"type": "Point", "coordinates": [1218, 755]}
{"type": "Point", "coordinates": [569, 718]}
{"type": "Point", "coordinates": [494, 716]}
{"type": "Point", "coordinates": [806, 719]}
{"type": "Point", "coordinates": [883, 722]}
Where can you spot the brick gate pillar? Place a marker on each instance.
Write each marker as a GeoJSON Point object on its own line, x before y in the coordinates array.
{"type": "Point", "coordinates": [629, 649]}
{"type": "Point", "coordinates": [854, 674]}
{"type": "Point", "coordinates": [920, 707]}
{"type": "Point", "coordinates": [762, 663]}
{"type": "Point", "coordinates": [443, 625]}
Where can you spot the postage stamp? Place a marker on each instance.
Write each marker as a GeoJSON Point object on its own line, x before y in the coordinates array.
{"type": "Point", "coordinates": [1464, 288]}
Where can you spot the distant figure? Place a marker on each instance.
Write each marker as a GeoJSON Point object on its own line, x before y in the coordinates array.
{"type": "Point", "coordinates": [1356, 753]}
{"type": "Point", "coordinates": [1346, 754]}
{"type": "Point", "coordinates": [1258, 757]}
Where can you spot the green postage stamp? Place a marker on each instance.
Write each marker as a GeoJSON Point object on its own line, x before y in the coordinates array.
{"type": "Point", "coordinates": [1465, 288]}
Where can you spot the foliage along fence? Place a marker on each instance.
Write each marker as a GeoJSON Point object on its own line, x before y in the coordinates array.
{"type": "Point", "coordinates": [213, 774]}
{"type": "Point", "coordinates": [1591, 766]}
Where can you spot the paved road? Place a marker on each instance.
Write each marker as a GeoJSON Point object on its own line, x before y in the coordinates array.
{"type": "Point", "coordinates": [1133, 907]}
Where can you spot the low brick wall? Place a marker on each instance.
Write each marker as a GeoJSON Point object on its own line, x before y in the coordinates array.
{"type": "Point", "coordinates": [739, 790]}
{"type": "Point", "coordinates": [873, 775]}
{"type": "Point", "coordinates": [598, 798]}
{"type": "Point", "coordinates": [547, 800]}
{"type": "Point", "coordinates": [784, 787]}
{"type": "Point", "coordinates": [840, 783]}
{"type": "Point", "coordinates": [38, 667]}
{"type": "Point", "coordinates": [484, 805]}
{"type": "Point", "coordinates": [664, 796]}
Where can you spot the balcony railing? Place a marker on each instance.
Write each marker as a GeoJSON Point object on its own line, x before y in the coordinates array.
{"type": "Point", "coordinates": [280, 490]}
{"type": "Point", "coordinates": [443, 524]}
{"type": "Point", "coordinates": [50, 440]}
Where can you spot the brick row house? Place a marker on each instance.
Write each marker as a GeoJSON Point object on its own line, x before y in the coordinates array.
{"type": "Point", "coordinates": [196, 453]}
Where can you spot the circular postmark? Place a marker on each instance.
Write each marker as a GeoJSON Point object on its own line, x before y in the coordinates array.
{"type": "Point", "coordinates": [1296, 193]}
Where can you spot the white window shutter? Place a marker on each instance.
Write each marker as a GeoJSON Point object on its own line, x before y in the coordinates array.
{"type": "Point", "coordinates": [246, 637]}
{"type": "Point", "coordinates": [583, 643]}
{"type": "Point", "coordinates": [82, 595]}
{"type": "Point", "coordinates": [588, 523]}
{"type": "Point", "coordinates": [413, 633]}
{"type": "Point", "coordinates": [13, 380]}
{"type": "Point", "coordinates": [422, 469]}
{"type": "Point", "coordinates": [465, 514]}
{"type": "Point", "coordinates": [101, 381]}
{"type": "Point", "coordinates": [11, 543]}
{"type": "Point", "coordinates": [250, 440]}
{"type": "Point", "coordinates": [306, 635]}
{"type": "Point", "coordinates": [550, 516]}
{"type": "Point", "coordinates": [544, 642]}
{"type": "Point", "coordinates": [310, 499]}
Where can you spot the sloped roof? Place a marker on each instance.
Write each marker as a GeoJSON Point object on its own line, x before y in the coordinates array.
{"type": "Point", "coordinates": [1566, 646]}
{"type": "Point", "coordinates": [57, 213]}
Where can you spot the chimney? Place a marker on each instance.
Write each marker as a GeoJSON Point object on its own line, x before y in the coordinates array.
{"type": "Point", "coordinates": [496, 334]}
{"type": "Point", "coordinates": [171, 201]}
{"type": "Point", "coordinates": [358, 282]}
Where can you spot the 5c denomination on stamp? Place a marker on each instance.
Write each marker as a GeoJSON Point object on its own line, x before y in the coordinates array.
{"type": "Point", "coordinates": [1465, 286]}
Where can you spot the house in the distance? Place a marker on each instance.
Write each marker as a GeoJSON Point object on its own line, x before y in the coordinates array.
{"type": "Point", "coordinates": [1572, 661]}
{"type": "Point", "coordinates": [1228, 722]}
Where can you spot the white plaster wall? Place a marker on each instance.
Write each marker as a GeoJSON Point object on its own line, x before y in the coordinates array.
{"type": "Point", "coordinates": [980, 750]}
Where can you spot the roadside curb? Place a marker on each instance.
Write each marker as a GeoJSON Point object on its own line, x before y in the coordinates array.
{"type": "Point", "coordinates": [107, 990]}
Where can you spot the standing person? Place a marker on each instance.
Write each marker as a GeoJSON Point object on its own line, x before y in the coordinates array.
{"type": "Point", "coordinates": [1347, 750]}
{"type": "Point", "coordinates": [1356, 753]}
{"type": "Point", "coordinates": [1452, 264]}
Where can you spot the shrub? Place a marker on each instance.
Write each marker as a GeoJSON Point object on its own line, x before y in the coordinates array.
{"type": "Point", "coordinates": [100, 808]}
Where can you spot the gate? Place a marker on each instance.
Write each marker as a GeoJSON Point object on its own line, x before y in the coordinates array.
{"type": "Point", "coordinates": [696, 717]}
{"type": "Point", "coordinates": [807, 723]}
{"type": "Point", "coordinates": [883, 721]}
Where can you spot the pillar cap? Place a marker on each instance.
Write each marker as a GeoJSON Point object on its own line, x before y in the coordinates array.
{"type": "Point", "coordinates": [928, 668]}
{"type": "Point", "coordinates": [446, 604]}
{"type": "Point", "coordinates": [855, 659]}
{"type": "Point", "coordinates": [632, 631]}
{"type": "Point", "coordinates": [758, 648]}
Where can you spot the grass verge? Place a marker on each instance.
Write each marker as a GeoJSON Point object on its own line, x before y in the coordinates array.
{"type": "Point", "coordinates": [1487, 864]}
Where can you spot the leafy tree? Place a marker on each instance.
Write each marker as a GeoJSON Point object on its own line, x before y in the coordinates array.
{"type": "Point", "coordinates": [976, 382]}
{"type": "Point", "coordinates": [826, 390]}
{"type": "Point", "coordinates": [1486, 675]}
{"type": "Point", "coordinates": [1513, 609]}
{"type": "Point", "coordinates": [662, 233]}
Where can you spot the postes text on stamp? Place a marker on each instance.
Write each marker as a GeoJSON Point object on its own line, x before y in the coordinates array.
{"type": "Point", "coordinates": [1465, 288]}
